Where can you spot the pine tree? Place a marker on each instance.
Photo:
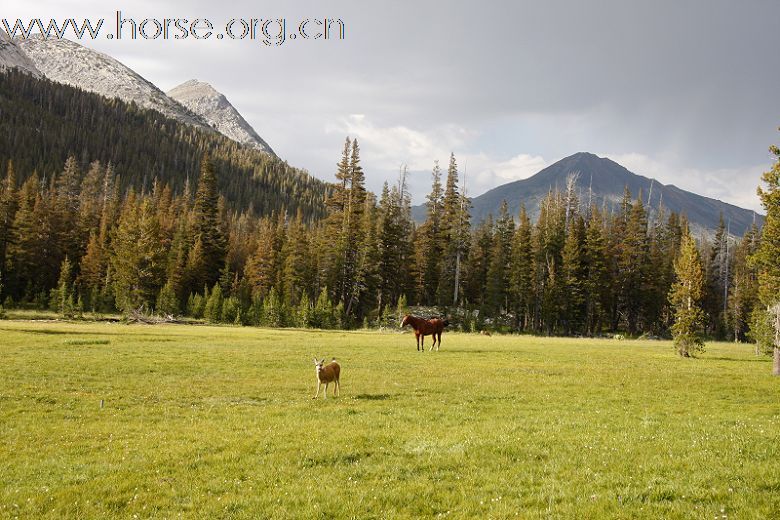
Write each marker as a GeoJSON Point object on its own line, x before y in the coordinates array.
{"type": "Point", "coordinates": [138, 257]}
{"type": "Point", "coordinates": [63, 296]}
{"type": "Point", "coordinates": [498, 273]}
{"type": "Point", "coordinates": [686, 297]}
{"type": "Point", "coordinates": [549, 240]}
{"type": "Point", "coordinates": [213, 310]}
{"type": "Point", "coordinates": [574, 272]}
{"type": "Point", "coordinates": [167, 300]}
{"type": "Point", "coordinates": [65, 212]}
{"type": "Point", "coordinates": [743, 296]}
{"type": "Point", "coordinates": [429, 249]}
{"type": "Point", "coordinates": [207, 226]}
{"type": "Point", "coordinates": [263, 266]}
{"type": "Point", "coordinates": [32, 259]}
{"type": "Point", "coordinates": [477, 264]}
{"type": "Point", "coordinates": [296, 268]}
{"type": "Point", "coordinates": [718, 270]}
{"type": "Point", "coordinates": [767, 258]}
{"type": "Point", "coordinates": [521, 272]}
{"type": "Point", "coordinates": [93, 269]}
{"type": "Point", "coordinates": [451, 229]}
{"type": "Point", "coordinates": [353, 274]}
{"type": "Point", "coordinates": [633, 268]}
{"type": "Point", "coordinates": [596, 284]}
{"type": "Point", "coordinates": [9, 204]}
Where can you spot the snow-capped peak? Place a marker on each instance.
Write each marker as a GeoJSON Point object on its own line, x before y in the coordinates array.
{"type": "Point", "coordinates": [206, 101]}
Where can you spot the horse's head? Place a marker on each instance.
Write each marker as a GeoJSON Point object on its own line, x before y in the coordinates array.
{"type": "Point", "coordinates": [405, 321]}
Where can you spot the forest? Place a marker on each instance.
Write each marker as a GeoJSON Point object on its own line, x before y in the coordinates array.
{"type": "Point", "coordinates": [154, 217]}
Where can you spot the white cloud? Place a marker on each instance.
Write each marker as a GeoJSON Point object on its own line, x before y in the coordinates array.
{"type": "Point", "coordinates": [385, 148]}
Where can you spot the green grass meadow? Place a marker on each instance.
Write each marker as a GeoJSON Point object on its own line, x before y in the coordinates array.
{"type": "Point", "coordinates": [218, 422]}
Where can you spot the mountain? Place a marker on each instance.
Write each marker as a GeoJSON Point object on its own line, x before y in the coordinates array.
{"type": "Point", "coordinates": [68, 62]}
{"type": "Point", "coordinates": [45, 122]}
{"type": "Point", "coordinates": [202, 99]}
{"type": "Point", "coordinates": [603, 181]}
{"type": "Point", "coordinates": [12, 57]}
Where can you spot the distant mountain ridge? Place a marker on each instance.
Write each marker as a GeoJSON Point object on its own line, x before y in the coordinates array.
{"type": "Point", "coordinates": [204, 100]}
{"type": "Point", "coordinates": [194, 103]}
{"type": "Point", "coordinates": [13, 57]}
{"type": "Point", "coordinates": [68, 62]}
{"type": "Point", "coordinates": [602, 182]}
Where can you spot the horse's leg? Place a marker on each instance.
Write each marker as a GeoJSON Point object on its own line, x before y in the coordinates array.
{"type": "Point", "coordinates": [433, 337]}
{"type": "Point", "coordinates": [422, 342]}
{"type": "Point", "coordinates": [439, 345]}
{"type": "Point", "coordinates": [417, 337]}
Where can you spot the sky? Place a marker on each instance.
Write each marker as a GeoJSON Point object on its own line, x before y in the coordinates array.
{"type": "Point", "coordinates": [685, 91]}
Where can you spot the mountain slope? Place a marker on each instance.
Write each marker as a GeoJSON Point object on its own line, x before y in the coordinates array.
{"type": "Point", "coordinates": [45, 122]}
{"type": "Point", "coordinates": [68, 62]}
{"type": "Point", "coordinates": [12, 57]}
{"type": "Point", "coordinates": [603, 182]}
{"type": "Point", "coordinates": [202, 99]}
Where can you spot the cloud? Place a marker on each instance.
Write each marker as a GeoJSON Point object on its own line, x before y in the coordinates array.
{"type": "Point", "coordinates": [385, 148]}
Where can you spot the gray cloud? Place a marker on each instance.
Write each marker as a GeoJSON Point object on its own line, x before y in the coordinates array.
{"type": "Point", "coordinates": [686, 91]}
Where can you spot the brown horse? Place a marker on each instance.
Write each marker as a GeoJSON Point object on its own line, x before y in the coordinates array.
{"type": "Point", "coordinates": [423, 327]}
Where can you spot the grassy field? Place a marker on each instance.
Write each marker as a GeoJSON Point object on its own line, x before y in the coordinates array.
{"type": "Point", "coordinates": [218, 422]}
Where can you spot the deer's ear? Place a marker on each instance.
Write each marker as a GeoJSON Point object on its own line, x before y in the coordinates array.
{"type": "Point", "coordinates": [315, 361]}
{"type": "Point", "coordinates": [323, 361]}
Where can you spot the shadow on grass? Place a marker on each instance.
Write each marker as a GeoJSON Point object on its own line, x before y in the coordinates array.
{"type": "Point", "coordinates": [64, 332]}
{"type": "Point", "coordinates": [373, 397]}
{"type": "Point", "coordinates": [766, 359]}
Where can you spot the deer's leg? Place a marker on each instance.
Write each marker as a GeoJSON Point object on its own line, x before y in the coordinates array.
{"type": "Point", "coordinates": [336, 388]}
{"type": "Point", "coordinates": [318, 391]}
{"type": "Point", "coordinates": [326, 390]}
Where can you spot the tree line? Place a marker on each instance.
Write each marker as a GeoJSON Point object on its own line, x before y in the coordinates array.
{"type": "Point", "coordinates": [81, 242]}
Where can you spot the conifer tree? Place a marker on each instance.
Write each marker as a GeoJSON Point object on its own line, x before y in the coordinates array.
{"type": "Point", "coordinates": [32, 263]}
{"type": "Point", "coordinates": [521, 271]}
{"type": "Point", "coordinates": [262, 268]}
{"type": "Point", "coordinates": [574, 269]}
{"type": "Point", "coordinates": [743, 296]}
{"type": "Point", "coordinates": [93, 270]}
{"type": "Point", "coordinates": [498, 273]}
{"type": "Point", "coordinates": [596, 284]}
{"type": "Point", "coordinates": [9, 204]}
{"type": "Point", "coordinates": [138, 257]}
{"type": "Point", "coordinates": [718, 270]}
{"type": "Point", "coordinates": [450, 233]}
{"type": "Point", "coordinates": [633, 267]}
{"type": "Point", "coordinates": [686, 297]}
{"type": "Point", "coordinates": [207, 226]}
{"type": "Point", "coordinates": [767, 258]}
{"type": "Point", "coordinates": [213, 310]}
{"type": "Point", "coordinates": [477, 264]}
{"type": "Point", "coordinates": [63, 297]}
{"type": "Point", "coordinates": [429, 249]}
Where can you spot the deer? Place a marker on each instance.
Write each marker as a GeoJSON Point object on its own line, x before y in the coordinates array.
{"type": "Point", "coordinates": [326, 375]}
